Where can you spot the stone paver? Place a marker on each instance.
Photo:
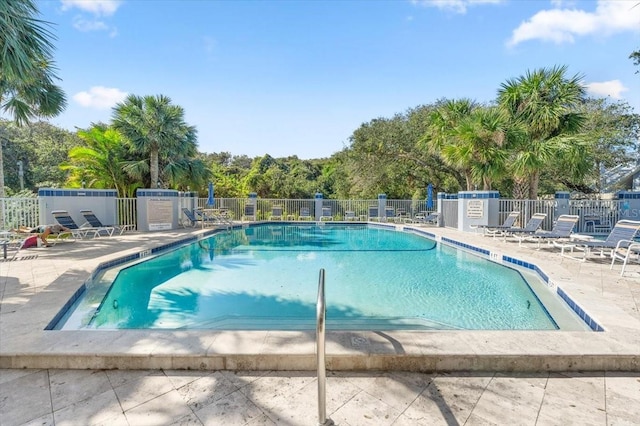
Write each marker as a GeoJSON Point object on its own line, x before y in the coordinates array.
{"type": "Point", "coordinates": [148, 394]}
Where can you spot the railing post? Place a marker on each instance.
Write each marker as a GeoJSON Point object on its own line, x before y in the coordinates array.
{"type": "Point", "coordinates": [322, 374]}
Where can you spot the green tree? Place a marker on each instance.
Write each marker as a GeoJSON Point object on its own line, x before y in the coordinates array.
{"type": "Point", "coordinates": [635, 57]}
{"type": "Point", "coordinates": [101, 161]}
{"type": "Point", "coordinates": [546, 101]}
{"type": "Point", "coordinates": [27, 76]}
{"type": "Point", "coordinates": [155, 127]}
{"type": "Point", "coordinates": [442, 136]}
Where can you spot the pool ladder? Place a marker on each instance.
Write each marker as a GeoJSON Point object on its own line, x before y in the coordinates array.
{"type": "Point", "coordinates": [322, 373]}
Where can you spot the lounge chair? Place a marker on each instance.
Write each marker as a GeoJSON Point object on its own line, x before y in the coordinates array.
{"type": "Point", "coordinates": [625, 254]}
{"type": "Point", "coordinates": [191, 219]}
{"type": "Point", "coordinates": [326, 214]}
{"type": "Point", "coordinates": [305, 214]}
{"type": "Point", "coordinates": [373, 213]}
{"type": "Point", "coordinates": [64, 218]}
{"type": "Point", "coordinates": [533, 224]}
{"type": "Point", "coordinates": [350, 215]}
{"type": "Point", "coordinates": [402, 216]}
{"type": "Point", "coordinates": [208, 217]}
{"type": "Point", "coordinates": [621, 236]}
{"type": "Point", "coordinates": [427, 219]}
{"type": "Point", "coordinates": [389, 213]}
{"type": "Point", "coordinates": [276, 213]}
{"type": "Point", "coordinates": [94, 222]}
{"type": "Point", "coordinates": [562, 230]}
{"type": "Point", "coordinates": [249, 212]}
{"type": "Point", "coordinates": [499, 230]}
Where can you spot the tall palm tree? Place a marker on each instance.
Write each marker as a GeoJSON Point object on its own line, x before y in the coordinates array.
{"type": "Point", "coordinates": [153, 126]}
{"type": "Point", "coordinates": [546, 101]}
{"type": "Point", "coordinates": [27, 72]}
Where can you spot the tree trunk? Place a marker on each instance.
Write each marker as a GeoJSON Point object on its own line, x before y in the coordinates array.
{"type": "Point", "coordinates": [2, 225]}
{"type": "Point", "coordinates": [534, 181]}
{"type": "Point", "coordinates": [520, 188]}
{"type": "Point", "coordinates": [469, 180]}
{"type": "Point", "coordinates": [153, 168]}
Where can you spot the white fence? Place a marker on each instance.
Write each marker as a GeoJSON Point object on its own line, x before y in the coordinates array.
{"type": "Point", "coordinates": [596, 216]}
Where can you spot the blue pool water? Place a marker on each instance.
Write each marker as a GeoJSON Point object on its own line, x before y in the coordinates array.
{"type": "Point", "coordinates": [266, 277]}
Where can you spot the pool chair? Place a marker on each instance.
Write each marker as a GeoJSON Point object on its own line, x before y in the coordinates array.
{"type": "Point", "coordinates": [249, 212]}
{"type": "Point", "coordinates": [305, 214]}
{"type": "Point", "coordinates": [402, 216]}
{"type": "Point", "coordinates": [64, 218]}
{"type": "Point", "coordinates": [326, 214]}
{"type": "Point", "coordinates": [94, 222]}
{"type": "Point", "coordinates": [499, 230]}
{"type": "Point", "coordinates": [427, 219]}
{"type": "Point", "coordinates": [209, 217]}
{"type": "Point", "coordinates": [350, 216]}
{"type": "Point", "coordinates": [533, 224]}
{"type": "Point", "coordinates": [373, 213]}
{"type": "Point", "coordinates": [190, 220]}
{"type": "Point", "coordinates": [621, 237]}
{"type": "Point", "coordinates": [562, 231]}
{"type": "Point", "coordinates": [276, 213]}
{"type": "Point", "coordinates": [625, 254]}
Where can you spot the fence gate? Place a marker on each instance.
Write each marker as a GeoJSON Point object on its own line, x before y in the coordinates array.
{"type": "Point", "coordinates": [450, 213]}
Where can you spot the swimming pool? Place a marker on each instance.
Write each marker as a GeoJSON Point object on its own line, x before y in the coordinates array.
{"type": "Point", "coordinates": [265, 277]}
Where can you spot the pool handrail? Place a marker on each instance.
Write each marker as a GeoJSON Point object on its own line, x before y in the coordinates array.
{"type": "Point", "coordinates": [322, 374]}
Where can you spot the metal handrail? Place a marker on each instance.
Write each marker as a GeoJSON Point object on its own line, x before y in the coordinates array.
{"type": "Point", "coordinates": [322, 373]}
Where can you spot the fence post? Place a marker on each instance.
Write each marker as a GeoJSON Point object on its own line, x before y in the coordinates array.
{"type": "Point", "coordinates": [382, 206]}
{"type": "Point", "coordinates": [562, 204]}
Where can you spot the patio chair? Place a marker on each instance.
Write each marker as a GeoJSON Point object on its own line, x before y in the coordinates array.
{"type": "Point", "coordinates": [427, 219]}
{"type": "Point", "coordinates": [621, 236]}
{"type": "Point", "coordinates": [533, 224]}
{"type": "Point", "coordinates": [632, 252]}
{"type": "Point", "coordinates": [191, 219]}
{"type": "Point", "coordinates": [305, 214]}
{"type": "Point", "coordinates": [326, 214]}
{"type": "Point", "coordinates": [249, 212]}
{"type": "Point", "coordinates": [402, 216]}
{"type": "Point", "coordinates": [562, 230]}
{"type": "Point", "coordinates": [373, 213]}
{"type": "Point", "coordinates": [499, 230]}
{"type": "Point", "coordinates": [64, 218]}
{"type": "Point", "coordinates": [94, 222]}
{"type": "Point", "coordinates": [207, 218]}
{"type": "Point", "coordinates": [276, 213]}
{"type": "Point", "coordinates": [389, 213]}
{"type": "Point", "coordinates": [350, 215]}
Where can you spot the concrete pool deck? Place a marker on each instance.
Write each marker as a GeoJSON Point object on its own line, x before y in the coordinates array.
{"type": "Point", "coordinates": [254, 364]}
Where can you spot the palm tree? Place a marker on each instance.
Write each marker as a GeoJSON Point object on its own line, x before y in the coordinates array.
{"type": "Point", "coordinates": [102, 161]}
{"type": "Point", "coordinates": [546, 102]}
{"type": "Point", "coordinates": [154, 127]}
{"type": "Point", "coordinates": [27, 73]}
{"type": "Point", "coordinates": [441, 136]}
{"type": "Point", "coordinates": [482, 143]}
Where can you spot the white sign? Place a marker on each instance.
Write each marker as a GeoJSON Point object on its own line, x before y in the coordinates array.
{"type": "Point", "coordinates": [159, 214]}
{"type": "Point", "coordinates": [475, 209]}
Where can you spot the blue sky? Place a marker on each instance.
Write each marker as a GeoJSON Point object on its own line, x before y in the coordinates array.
{"type": "Point", "coordinates": [298, 77]}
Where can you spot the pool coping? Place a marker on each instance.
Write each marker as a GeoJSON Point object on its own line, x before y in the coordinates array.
{"type": "Point", "coordinates": [25, 343]}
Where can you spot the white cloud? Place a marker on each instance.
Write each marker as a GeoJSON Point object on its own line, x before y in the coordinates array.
{"type": "Point", "coordinates": [563, 25]}
{"type": "Point", "coordinates": [100, 97]}
{"type": "Point", "coordinates": [97, 7]}
{"type": "Point", "coordinates": [84, 25]}
{"type": "Point", "coordinates": [612, 88]}
{"type": "Point", "coordinates": [457, 6]}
